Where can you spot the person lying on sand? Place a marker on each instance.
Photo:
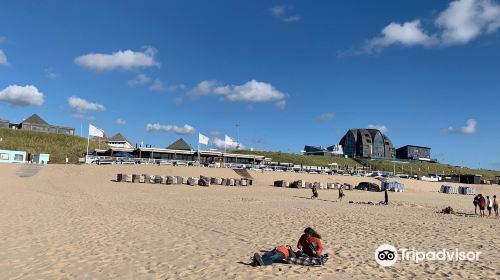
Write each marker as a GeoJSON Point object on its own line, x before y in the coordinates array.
{"type": "Point", "coordinates": [310, 243]}
{"type": "Point", "coordinates": [276, 255]}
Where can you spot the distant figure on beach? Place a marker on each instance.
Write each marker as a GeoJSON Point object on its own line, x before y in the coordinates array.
{"type": "Point", "coordinates": [314, 191]}
{"type": "Point", "coordinates": [489, 204]}
{"type": "Point", "coordinates": [476, 203]}
{"type": "Point", "coordinates": [386, 197]}
{"type": "Point", "coordinates": [310, 243]}
{"type": "Point", "coordinates": [495, 205]}
{"type": "Point", "coordinates": [341, 193]}
{"type": "Point", "coordinates": [482, 205]}
{"type": "Point", "coordinates": [276, 255]}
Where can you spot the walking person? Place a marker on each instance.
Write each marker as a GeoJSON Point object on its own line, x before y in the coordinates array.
{"type": "Point", "coordinates": [495, 205]}
{"type": "Point", "coordinates": [386, 197]}
{"type": "Point", "coordinates": [482, 205]}
{"type": "Point", "coordinates": [314, 191]}
{"type": "Point", "coordinates": [341, 193]}
{"type": "Point", "coordinates": [476, 203]}
{"type": "Point", "coordinates": [489, 204]}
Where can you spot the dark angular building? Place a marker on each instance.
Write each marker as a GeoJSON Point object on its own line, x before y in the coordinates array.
{"type": "Point", "coordinates": [414, 153]}
{"type": "Point", "coordinates": [35, 123]}
{"type": "Point", "coordinates": [367, 143]}
{"type": "Point", "coordinates": [180, 145]}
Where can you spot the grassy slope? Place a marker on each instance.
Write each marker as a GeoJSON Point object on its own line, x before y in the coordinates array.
{"type": "Point", "coordinates": [302, 159]}
{"type": "Point", "coordinates": [414, 168]}
{"type": "Point", "coordinates": [57, 145]}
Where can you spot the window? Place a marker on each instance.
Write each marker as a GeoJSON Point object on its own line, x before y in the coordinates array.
{"type": "Point", "coordinates": [18, 157]}
{"type": "Point", "coordinates": [4, 156]}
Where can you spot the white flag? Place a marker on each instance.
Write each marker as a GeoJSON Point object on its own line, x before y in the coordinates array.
{"type": "Point", "coordinates": [202, 139]}
{"type": "Point", "coordinates": [94, 131]}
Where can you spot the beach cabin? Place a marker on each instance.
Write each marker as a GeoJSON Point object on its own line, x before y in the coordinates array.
{"type": "Point", "coordinates": [41, 158]}
{"type": "Point", "coordinates": [8, 156]}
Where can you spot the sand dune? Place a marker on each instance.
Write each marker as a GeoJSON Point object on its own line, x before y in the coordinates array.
{"type": "Point", "coordinates": [75, 222]}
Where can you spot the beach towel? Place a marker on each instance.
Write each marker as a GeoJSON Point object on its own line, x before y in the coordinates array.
{"type": "Point", "coordinates": [308, 261]}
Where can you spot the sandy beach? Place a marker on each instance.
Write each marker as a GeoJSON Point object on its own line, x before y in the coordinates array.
{"type": "Point", "coordinates": [75, 222]}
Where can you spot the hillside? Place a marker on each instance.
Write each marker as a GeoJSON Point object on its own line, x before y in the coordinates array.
{"type": "Point", "coordinates": [57, 145]}
{"type": "Point", "coordinates": [414, 168]}
{"type": "Point", "coordinates": [302, 159]}
{"type": "Point", "coordinates": [424, 168]}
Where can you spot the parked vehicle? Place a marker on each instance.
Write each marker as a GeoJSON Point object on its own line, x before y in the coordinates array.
{"type": "Point", "coordinates": [367, 186]}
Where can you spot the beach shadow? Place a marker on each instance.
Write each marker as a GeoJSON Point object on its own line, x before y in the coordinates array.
{"type": "Point", "coordinates": [244, 263]}
{"type": "Point", "coordinates": [319, 199]}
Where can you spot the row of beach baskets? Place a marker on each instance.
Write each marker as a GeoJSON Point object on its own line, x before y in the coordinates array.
{"type": "Point", "coordinates": [299, 184]}
{"type": "Point", "coordinates": [458, 190]}
{"type": "Point", "coordinates": [179, 180]}
{"type": "Point", "coordinates": [393, 186]}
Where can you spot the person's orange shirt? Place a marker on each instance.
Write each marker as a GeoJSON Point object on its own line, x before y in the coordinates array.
{"type": "Point", "coordinates": [284, 250]}
{"type": "Point", "coordinates": [306, 239]}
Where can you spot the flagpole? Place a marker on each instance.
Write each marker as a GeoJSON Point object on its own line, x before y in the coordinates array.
{"type": "Point", "coordinates": [199, 162]}
{"type": "Point", "coordinates": [88, 143]}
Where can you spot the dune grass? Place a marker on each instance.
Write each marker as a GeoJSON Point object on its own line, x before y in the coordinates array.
{"type": "Point", "coordinates": [302, 159]}
{"type": "Point", "coordinates": [413, 168]}
{"type": "Point", "coordinates": [57, 145]}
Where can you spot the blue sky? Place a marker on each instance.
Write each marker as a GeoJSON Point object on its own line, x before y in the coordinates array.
{"type": "Point", "coordinates": [288, 72]}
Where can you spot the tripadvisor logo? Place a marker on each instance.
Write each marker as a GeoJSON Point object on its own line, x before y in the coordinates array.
{"type": "Point", "coordinates": [387, 255]}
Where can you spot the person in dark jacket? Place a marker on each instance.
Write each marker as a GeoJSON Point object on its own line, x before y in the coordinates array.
{"type": "Point", "coordinates": [386, 197]}
{"type": "Point", "coordinates": [476, 203]}
{"type": "Point", "coordinates": [314, 191]}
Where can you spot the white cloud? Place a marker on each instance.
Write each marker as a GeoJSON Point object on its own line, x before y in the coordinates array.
{"type": "Point", "coordinates": [203, 88]}
{"type": "Point", "coordinates": [279, 10]}
{"type": "Point", "coordinates": [221, 144]}
{"type": "Point", "coordinates": [51, 74]}
{"type": "Point", "coordinates": [83, 117]}
{"type": "Point", "coordinates": [183, 130]}
{"type": "Point", "coordinates": [252, 91]}
{"type": "Point", "coordinates": [80, 105]}
{"type": "Point", "coordinates": [406, 34]}
{"type": "Point", "coordinates": [159, 86]}
{"type": "Point", "coordinates": [465, 20]}
{"type": "Point", "coordinates": [140, 80]}
{"type": "Point", "coordinates": [380, 127]}
{"type": "Point", "coordinates": [126, 60]}
{"type": "Point", "coordinates": [460, 23]}
{"type": "Point", "coordinates": [3, 58]}
{"type": "Point", "coordinates": [21, 95]}
{"type": "Point", "coordinates": [154, 85]}
{"type": "Point", "coordinates": [469, 128]}
{"type": "Point", "coordinates": [121, 121]}
{"type": "Point", "coordinates": [282, 12]}
{"type": "Point", "coordinates": [326, 117]}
